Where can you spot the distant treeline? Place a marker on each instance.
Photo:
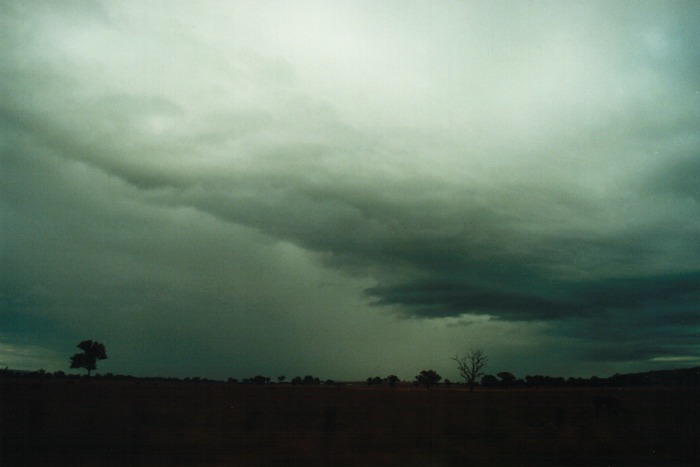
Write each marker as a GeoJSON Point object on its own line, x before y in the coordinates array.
{"type": "Point", "coordinates": [255, 380]}
{"type": "Point", "coordinates": [43, 374]}
{"type": "Point", "coordinates": [679, 377]}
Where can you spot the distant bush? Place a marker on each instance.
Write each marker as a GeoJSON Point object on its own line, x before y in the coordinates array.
{"type": "Point", "coordinates": [545, 381]}
{"type": "Point", "coordinates": [258, 379]}
{"type": "Point", "coordinates": [489, 381]}
{"type": "Point", "coordinates": [374, 381]}
{"type": "Point", "coordinates": [428, 378]}
{"type": "Point", "coordinates": [308, 379]}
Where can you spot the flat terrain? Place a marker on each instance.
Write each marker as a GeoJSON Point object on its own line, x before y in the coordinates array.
{"type": "Point", "coordinates": [98, 422]}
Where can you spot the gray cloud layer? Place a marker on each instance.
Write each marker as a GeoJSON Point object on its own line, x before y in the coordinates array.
{"type": "Point", "coordinates": [215, 178]}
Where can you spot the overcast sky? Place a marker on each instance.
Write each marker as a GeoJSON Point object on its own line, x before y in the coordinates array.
{"type": "Point", "coordinates": [349, 189]}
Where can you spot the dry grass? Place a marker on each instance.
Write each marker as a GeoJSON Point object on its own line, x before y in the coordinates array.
{"type": "Point", "coordinates": [61, 422]}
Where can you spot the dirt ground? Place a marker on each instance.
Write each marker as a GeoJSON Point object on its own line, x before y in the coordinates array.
{"type": "Point", "coordinates": [98, 422]}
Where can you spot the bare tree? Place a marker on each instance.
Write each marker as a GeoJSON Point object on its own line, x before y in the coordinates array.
{"type": "Point", "coordinates": [471, 366]}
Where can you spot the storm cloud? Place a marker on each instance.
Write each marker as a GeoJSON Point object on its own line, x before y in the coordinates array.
{"type": "Point", "coordinates": [349, 189]}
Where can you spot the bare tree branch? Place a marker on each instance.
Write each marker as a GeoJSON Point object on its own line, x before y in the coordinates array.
{"type": "Point", "coordinates": [471, 366]}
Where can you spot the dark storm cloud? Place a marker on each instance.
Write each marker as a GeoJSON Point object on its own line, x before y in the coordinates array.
{"type": "Point", "coordinates": [681, 178]}
{"type": "Point", "coordinates": [435, 300]}
{"type": "Point", "coordinates": [177, 173]}
{"type": "Point", "coordinates": [674, 296]}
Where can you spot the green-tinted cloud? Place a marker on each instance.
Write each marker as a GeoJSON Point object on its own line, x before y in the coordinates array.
{"type": "Point", "coordinates": [273, 183]}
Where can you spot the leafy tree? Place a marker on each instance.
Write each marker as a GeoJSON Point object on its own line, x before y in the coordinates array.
{"type": "Point", "coordinates": [546, 381]}
{"type": "Point", "coordinates": [392, 379]}
{"type": "Point", "coordinates": [507, 378]}
{"type": "Point", "coordinates": [281, 378]}
{"type": "Point", "coordinates": [471, 366]}
{"type": "Point", "coordinates": [311, 380]}
{"type": "Point", "coordinates": [428, 378]}
{"type": "Point", "coordinates": [489, 381]}
{"type": "Point", "coordinates": [92, 351]}
{"type": "Point", "coordinates": [258, 379]}
{"type": "Point", "coordinates": [307, 380]}
{"type": "Point", "coordinates": [374, 381]}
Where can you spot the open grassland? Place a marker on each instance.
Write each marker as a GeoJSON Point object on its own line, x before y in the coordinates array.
{"type": "Point", "coordinates": [81, 423]}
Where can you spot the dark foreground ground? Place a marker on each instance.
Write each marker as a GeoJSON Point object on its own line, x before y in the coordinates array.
{"type": "Point", "coordinates": [86, 423]}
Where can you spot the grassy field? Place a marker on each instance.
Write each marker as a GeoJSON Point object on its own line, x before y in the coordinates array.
{"type": "Point", "coordinates": [98, 422]}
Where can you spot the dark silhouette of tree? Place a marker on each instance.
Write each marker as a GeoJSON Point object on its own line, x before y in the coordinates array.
{"type": "Point", "coordinates": [92, 351]}
{"type": "Point", "coordinates": [281, 378]}
{"type": "Point", "coordinates": [471, 366]}
{"type": "Point", "coordinates": [428, 378]}
{"type": "Point", "coordinates": [258, 380]}
{"type": "Point", "coordinates": [374, 381]}
{"type": "Point", "coordinates": [392, 379]}
{"type": "Point", "coordinates": [507, 378]}
{"type": "Point", "coordinates": [489, 381]}
{"type": "Point", "coordinates": [309, 379]}
{"type": "Point", "coordinates": [546, 381]}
